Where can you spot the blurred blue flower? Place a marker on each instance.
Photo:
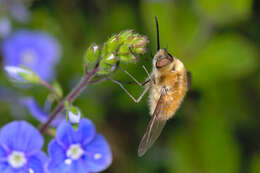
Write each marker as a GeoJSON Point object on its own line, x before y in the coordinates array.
{"type": "Point", "coordinates": [78, 151]}
{"type": "Point", "coordinates": [38, 113]}
{"type": "Point", "coordinates": [5, 27]}
{"type": "Point", "coordinates": [16, 9]}
{"type": "Point", "coordinates": [35, 50]}
{"type": "Point", "coordinates": [20, 149]}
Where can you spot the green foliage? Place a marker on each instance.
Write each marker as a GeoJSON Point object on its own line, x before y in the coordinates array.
{"type": "Point", "coordinates": [255, 164]}
{"type": "Point", "coordinates": [225, 57]}
{"type": "Point", "coordinates": [178, 25]}
{"type": "Point", "coordinates": [223, 11]}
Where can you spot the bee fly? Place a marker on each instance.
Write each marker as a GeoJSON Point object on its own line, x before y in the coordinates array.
{"type": "Point", "coordinates": [168, 84]}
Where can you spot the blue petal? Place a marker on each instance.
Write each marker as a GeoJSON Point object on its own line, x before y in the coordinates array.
{"type": "Point", "coordinates": [42, 157]}
{"type": "Point", "coordinates": [6, 168]}
{"type": "Point", "coordinates": [56, 151]}
{"type": "Point", "coordinates": [21, 136]}
{"type": "Point", "coordinates": [57, 154]}
{"type": "Point", "coordinates": [3, 152]}
{"type": "Point", "coordinates": [20, 171]}
{"type": "Point", "coordinates": [38, 113]}
{"type": "Point", "coordinates": [78, 167]}
{"type": "Point", "coordinates": [37, 162]}
{"type": "Point", "coordinates": [66, 135]}
{"type": "Point", "coordinates": [98, 155]}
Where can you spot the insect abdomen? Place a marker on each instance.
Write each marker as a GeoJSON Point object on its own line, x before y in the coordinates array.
{"type": "Point", "coordinates": [176, 85]}
{"type": "Point", "coordinates": [176, 95]}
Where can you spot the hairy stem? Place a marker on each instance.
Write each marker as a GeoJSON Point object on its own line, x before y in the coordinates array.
{"type": "Point", "coordinates": [70, 97]}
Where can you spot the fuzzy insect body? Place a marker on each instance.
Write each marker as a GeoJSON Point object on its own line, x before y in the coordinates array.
{"type": "Point", "coordinates": [168, 85]}
{"type": "Point", "coordinates": [174, 79]}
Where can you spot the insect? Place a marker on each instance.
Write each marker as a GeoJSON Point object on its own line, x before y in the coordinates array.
{"type": "Point", "coordinates": [168, 84]}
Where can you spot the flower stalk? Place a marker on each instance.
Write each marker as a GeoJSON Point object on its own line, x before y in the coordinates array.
{"type": "Point", "coordinates": [71, 97]}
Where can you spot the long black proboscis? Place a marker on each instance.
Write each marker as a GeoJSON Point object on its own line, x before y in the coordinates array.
{"type": "Point", "coordinates": [157, 31]}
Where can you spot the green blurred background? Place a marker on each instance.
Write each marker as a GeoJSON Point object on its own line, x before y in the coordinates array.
{"type": "Point", "coordinates": [217, 128]}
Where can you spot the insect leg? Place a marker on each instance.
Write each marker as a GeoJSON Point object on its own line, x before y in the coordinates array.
{"type": "Point", "coordinates": [132, 77]}
{"type": "Point", "coordinates": [136, 81]}
{"type": "Point", "coordinates": [127, 92]}
{"type": "Point", "coordinates": [150, 78]}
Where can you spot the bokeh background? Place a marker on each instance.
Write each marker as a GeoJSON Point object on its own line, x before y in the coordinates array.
{"type": "Point", "coordinates": [217, 128]}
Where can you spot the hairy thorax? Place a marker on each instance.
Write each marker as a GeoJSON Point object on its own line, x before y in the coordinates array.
{"type": "Point", "coordinates": [175, 84]}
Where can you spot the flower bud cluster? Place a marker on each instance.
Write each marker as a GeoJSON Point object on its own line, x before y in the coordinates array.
{"type": "Point", "coordinates": [122, 47]}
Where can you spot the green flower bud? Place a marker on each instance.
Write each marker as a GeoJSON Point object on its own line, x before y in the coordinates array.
{"type": "Point", "coordinates": [125, 35]}
{"type": "Point", "coordinates": [91, 56]}
{"type": "Point", "coordinates": [22, 75]}
{"type": "Point", "coordinates": [139, 50]}
{"type": "Point", "coordinates": [124, 47]}
{"type": "Point", "coordinates": [107, 64]}
{"type": "Point", "coordinates": [73, 114]}
{"type": "Point", "coordinates": [123, 50]}
{"type": "Point", "coordinates": [128, 58]}
{"type": "Point", "coordinates": [112, 44]}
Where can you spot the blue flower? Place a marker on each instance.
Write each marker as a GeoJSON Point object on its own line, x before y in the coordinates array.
{"type": "Point", "coordinates": [35, 50]}
{"type": "Point", "coordinates": [5, 27]}
{"type": "Point", "coordinates": [78, 151]}
{"type": "Point", "coordinates": [16, 9]}
{"type": "Point", "coordinates": [20, 149]}
{"type": "Point", "coordinates": [38, 113]}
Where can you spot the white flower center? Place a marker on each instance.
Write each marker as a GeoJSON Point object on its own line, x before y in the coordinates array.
{"type": "Point", "coordinates": [75, 151]}
{"type": "Point", "coordinates": [28, 57]}
{"type": "Point", "coordinates": [17, 159]}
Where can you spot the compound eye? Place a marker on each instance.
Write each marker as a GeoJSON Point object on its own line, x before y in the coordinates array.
{"type": "Point", "coordinates": [162, 62]}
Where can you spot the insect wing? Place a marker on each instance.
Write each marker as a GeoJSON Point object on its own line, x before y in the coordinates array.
{"type": "Point", "coordinates": [154, 127]}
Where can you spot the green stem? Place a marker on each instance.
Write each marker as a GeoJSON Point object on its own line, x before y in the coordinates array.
{"type": "Point", "coordinates": [70, 97]}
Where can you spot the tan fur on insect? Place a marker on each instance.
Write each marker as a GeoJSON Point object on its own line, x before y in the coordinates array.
{"type": "Point", "coordinates": [172, 76]}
